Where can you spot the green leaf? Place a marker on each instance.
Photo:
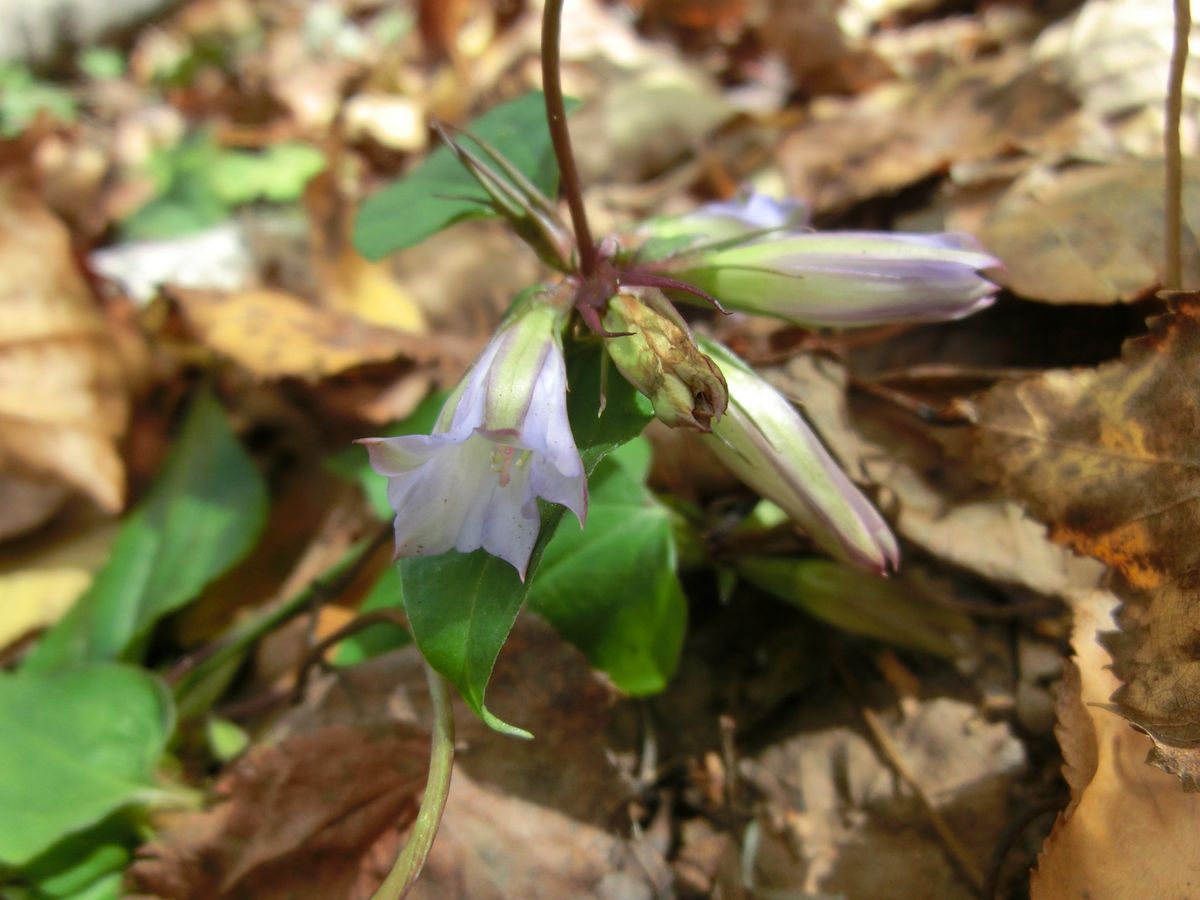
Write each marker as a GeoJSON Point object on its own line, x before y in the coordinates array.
{"type": "Point", "coordinates": [202, 685]}
{"type": "Point", "coordinates": [198, 183]}
{"type": "Point", "coordinates": [23, 97]}
{"type": "Point", "coordinates": [611, 588]}
{"type": "Point", "coordinates": [440, 192]}
{"type": "Point", "coordinates": [77, 745]}
{"type": "Point", "coordinates": [461, 607]}
{"type": "Point", "coordinates": [85, 864]}
{"type": "Point", "coordinates": [202, 516]}
{"type": "Point", "coordinates": [278, 175]}
{"type": "Point", "coordinates": [886, 609]}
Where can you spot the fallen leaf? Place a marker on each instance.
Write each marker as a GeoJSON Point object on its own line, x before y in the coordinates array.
{"type": "Point", "coordinates": [40, 587]}
{"type": "Point", "coordinates": [63, 400]}
{"type": "Point", "coordinates": [1106, 458]}
{"type": "Point", "coordinates": [990, 536]}
{"type": "Point", "coordinates": [900, 133]}
{"type": "Point", "coordinates": [26, 505]}
{"type": "Point", "coordinates": [272, 334]}
{"type": "Point", "coordinates": [1092, 234]}
{"type": "Point", "coordinates": [838, 822]}
{"type": "Point", "coordinates": [824, 57]}
{"type": "Point", "coordinates": [296, 818]}
{"type": "Point", "coordinates": [533, 819]}
{"type": "Point", "coordinates": [1129, 831]}
{"type": "Point", "coordinates": [1115, 55]}
{"type": "Point", "coordinates": [348, 281]}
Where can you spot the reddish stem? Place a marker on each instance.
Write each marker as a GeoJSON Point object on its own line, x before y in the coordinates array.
{"type": "Point", "coordinates": [556, 117]}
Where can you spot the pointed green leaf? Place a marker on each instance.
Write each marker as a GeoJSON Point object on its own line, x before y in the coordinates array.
{"type": "Point", "coordinates": [440, 192]}
{"type": "Point", "coordinates": [611, 588]}
{"type": "Point", "coordinates": [886, 609]}
{"type": "Point", "coordinates": [202, 516]}
{"type": "Point", "coordinates": [77, 745]}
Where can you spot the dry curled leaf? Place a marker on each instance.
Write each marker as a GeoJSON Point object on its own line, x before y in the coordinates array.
{"type": "Point", "coordinates": [298, 819]}
{"type": "Point", "coordinates": [63, 400]}
{"type": "Point", "coordinates": [1107, 458]}
{"type": "Point", "coordinates": [1128, 831]}
{"type": "Point", "coordinates": [1092, 235]}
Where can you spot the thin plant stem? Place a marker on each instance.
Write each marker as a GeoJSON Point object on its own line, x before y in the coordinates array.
{"type": "Point", "coordinates": [412, 857]}
{"type": "Point", "coordinates": [556, 117]}
{"type": "Point", "coordinates": [1173, 280]}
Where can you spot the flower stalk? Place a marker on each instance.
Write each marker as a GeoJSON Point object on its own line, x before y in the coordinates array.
{"type": "Point", "coordinates": [556, 118]}
{"type": "Point", "coordinates": [411, 859]}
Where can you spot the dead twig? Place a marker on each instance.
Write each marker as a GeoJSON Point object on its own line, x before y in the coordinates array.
{"type": "Point", "coordinates": [959, 855]}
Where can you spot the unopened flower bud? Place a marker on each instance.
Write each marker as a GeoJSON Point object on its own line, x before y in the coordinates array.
{"type": "Point", "coordinates": [846, 279]}
{"type": "Point", "coordinates": [765, 442]}
{"type": "Point", "coordinates": [661, 359]}
{"type": "Point", "coordinates": [721, 222]}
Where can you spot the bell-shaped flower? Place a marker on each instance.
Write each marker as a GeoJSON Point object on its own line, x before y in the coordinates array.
{"type": "Point", "coordinates": [845, 279]}
{"type": "Point", "coordinates": [502, 441]}
{"type": "Point", "coordinates": [765, 442]}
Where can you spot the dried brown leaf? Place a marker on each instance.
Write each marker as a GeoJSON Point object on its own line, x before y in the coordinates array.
{"type": "Point", "coordinates": [298, 819]}
{"type": "Point", "coordinates": [1128, 832]}
{"type": "Point", "coordinates": [901, 133]}
{"type": "Point", "coordinates": [63, 401]}
{"type": "Point", "coordinates": [272, 334]}
{"type": "Point", "coordinates": [838, 821]}
{"type": "Point", "coordinates": [539, 819]}
{"type": "Point", "coordinates": [993, 537]}
{"type": "Point", "coordinates": [1092, 235]}
{"type": "Point", "coordinates": [1107, 458]}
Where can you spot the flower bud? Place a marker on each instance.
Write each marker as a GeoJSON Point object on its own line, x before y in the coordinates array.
{"type": "Point", "coordinates": [846, 279]}
{"type": "Point", "coordinates": [764, 441]}
{"type": "Point", "coordinates": [721, 222]}
{"type": "Point", "coordinates": [661, 359]}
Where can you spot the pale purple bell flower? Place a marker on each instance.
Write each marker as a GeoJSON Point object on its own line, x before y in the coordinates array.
{"type": "Point", "coordinates": [502, 441]}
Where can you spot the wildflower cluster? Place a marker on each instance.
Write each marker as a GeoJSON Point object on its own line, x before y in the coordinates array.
{"type": "Point", "coordinates": [503, 439]}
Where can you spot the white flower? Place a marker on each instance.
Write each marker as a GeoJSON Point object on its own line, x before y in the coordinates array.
{"type": "Point", "coordinates": [501, 441]}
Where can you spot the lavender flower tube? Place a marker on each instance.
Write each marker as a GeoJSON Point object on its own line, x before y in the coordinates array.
{"type": "Point", "coordinates": [837, 279]}
{"type": "Point", "coordinates": [502, 441]}
{"type": "Point", "coordinates": [766, 443]}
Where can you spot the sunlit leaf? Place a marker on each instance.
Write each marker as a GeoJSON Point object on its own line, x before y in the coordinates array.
{"type": "Point", "coordinates": [202, 516]}
{"type": "Point", "coordinates": [1107, 457]}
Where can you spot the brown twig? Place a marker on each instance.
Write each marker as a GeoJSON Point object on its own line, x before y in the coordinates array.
{"type": "Point", "coordinates": [958, 854]}
{"type": "Point", "coordinates": [316, 652]}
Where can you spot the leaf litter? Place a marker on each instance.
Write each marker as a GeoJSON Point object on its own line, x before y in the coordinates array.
{"type": "Point", "coordinates": [1015, 454]}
